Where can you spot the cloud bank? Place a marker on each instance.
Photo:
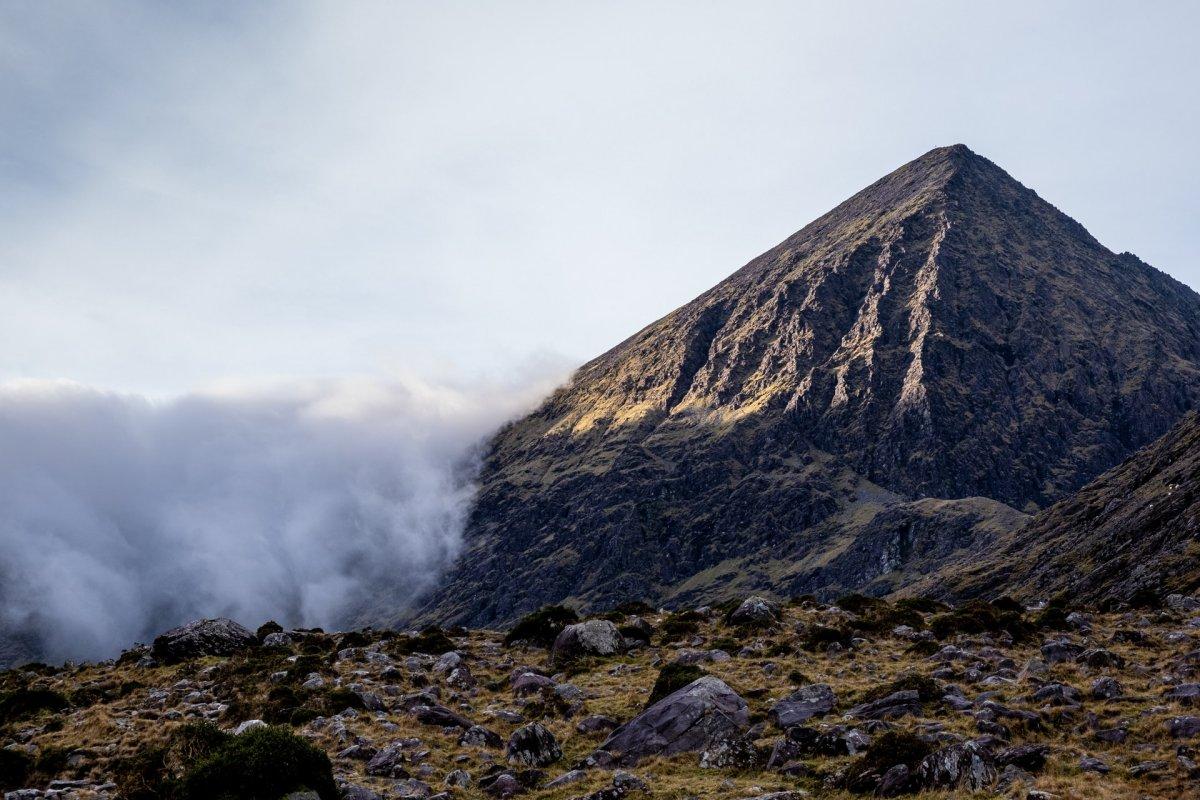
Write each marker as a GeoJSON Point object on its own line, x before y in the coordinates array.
{"type": "Point", "coordinates": [312, 503]}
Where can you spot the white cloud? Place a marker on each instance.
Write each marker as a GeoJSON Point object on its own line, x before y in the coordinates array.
{"type": "Point", "coordinates": [312, 503]}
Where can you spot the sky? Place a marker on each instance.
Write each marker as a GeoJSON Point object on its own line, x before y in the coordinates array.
{"type": "Point", "coordinates": [196, 193]}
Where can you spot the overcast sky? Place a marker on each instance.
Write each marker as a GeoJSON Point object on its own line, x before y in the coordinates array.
{"type": "Point", "coordinates": [192, 192]}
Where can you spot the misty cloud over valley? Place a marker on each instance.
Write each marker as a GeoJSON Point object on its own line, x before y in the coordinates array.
{"type": "Point", "coordinates": [311, 503]}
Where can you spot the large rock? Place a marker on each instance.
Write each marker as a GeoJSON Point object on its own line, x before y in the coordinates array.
{"type": "Point", "coordinates": [533, 745]}
{"type": "Point", "coordinates": [969, 765]}
{"type": "Point", "coordinates": [755, 612]}
{"type": "Point", "coordinates": [897, 704]}
{"type": "Point", "coordinates": [203, 637]}
{"type": "Point", "coordinates": [802, 705]}
{"type": "Point", "coordinates": [595, 637]}
{"type": "Point", "coordinates": [695, 718]}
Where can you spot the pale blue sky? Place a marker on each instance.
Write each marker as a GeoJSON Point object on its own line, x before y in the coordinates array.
{"type": "Point", "coordinates": [203, 191]}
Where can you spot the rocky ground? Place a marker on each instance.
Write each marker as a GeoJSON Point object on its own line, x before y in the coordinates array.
{"type": "Point", "coordinates": [750, 700]}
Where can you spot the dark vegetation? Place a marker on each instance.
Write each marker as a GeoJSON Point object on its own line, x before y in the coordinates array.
{"type": "Point", "coordinates": [672, 678]}
{"type": "Point", "coordinates": [201, 762]}
{"type": "Point", "coordinates": [542, 626]}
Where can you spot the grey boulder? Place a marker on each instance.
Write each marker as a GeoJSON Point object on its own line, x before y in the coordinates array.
{"type": "Point", "coordinates": [696, 718]}
{"type": "Point", "coordinates": [595, 637]}
{"type": "Point", "coordinates": [755, 612]}
{"type": "Point", "coordinates": [533, 745]}
{"type": "Point", "coordinates": [802, 705]}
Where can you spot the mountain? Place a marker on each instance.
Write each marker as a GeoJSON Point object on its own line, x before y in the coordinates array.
{"type": "Point", "coordinates": [902, 378]}
{"type": "Point", "coordinates": [1137, 527]}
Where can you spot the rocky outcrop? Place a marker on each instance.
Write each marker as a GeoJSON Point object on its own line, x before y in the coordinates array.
{"type": "Point", "coordinates": [205, 637]}
{"type": "Point", "coordinates": [699, 717]}
{"type": "Point", "coordinates": [944, 336]}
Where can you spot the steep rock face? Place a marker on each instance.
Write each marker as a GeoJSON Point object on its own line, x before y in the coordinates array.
{"type": "Point", "coordinates": [1135, 527]}
{"type": "Point", "coordinates": [944, 333]}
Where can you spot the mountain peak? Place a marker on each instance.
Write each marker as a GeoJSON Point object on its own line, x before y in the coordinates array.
{"type": "Point", "coordinates": [942, 336]}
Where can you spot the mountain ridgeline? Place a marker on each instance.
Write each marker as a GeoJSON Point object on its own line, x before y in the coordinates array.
{"type": "Point", "coordinates": [903, 380]}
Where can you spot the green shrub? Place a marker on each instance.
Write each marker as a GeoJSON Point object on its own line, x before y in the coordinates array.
{"type": "Point", "coordinates": [26, 703]}
{"type": "Point", "coordinates": [542, 626]}
{"type": "Point", "coordinates": [15, 766]}
{"type": "Point", "coordinates": [893, 747]}
{"type": "Point", "coordinates": [262, 764]}
{"type": "Point", "coordinates": [142, 776]}
{"type": "Point", "coordinates": [1145, 598]}
{"type": "Point", "coordinates": [798, 678]}
{"type": "Point", "coordinates": [672, 678]}
{"type": "Point", "coordinates": [926, 688]}
{"type": "Point", "coordinates": [978, 617]}
{"type": "Point", "coordinates": [635, 633]}
{"type": "Point", "coordinates": [639, 608]}
{"type": "Point", "coordinates": [267, 628]}
{"type": "Point", "coordinates": [816, 637]}
{"type": "Point", "coordinates": [1052, 618]}
{"type": "Point", "coordinates": [338, 700]}
{"type": "Point", "coordinates": [859, 604]}
{"type": "Point", "coordinates": [923, 605]}
{"type": "Point", "coordinates": [431, 641]}
{"type": "Point", "coordinates": [1006, 603]}
{"type": "Point", "coordinates": [680, 625]}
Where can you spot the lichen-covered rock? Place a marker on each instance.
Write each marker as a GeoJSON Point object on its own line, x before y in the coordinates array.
{"type": "Point", "coordinates": [695, 718]}
{"type": "Point", "coordinates": [204, 637]}
{"type": "Point", "coordinates": [533, 745]}
{"type": "Point", "coordinates": [969, 766]}
{"type": "Point", "coordinates": [755, 612]}
{"type": "Point", "coordinates": [594, 637]}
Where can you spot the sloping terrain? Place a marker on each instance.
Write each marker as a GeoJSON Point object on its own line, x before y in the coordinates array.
{"type": "Point", "coordinates": [1134, 529]}
{"type": "Point", "coordinates": [823, 702]}
{"type": "Point", "coordinates": [945, 333]}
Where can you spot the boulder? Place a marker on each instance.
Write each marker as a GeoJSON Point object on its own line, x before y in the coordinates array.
{"type": "Point", "coordinates": [1029, 757]}
{"type": "Point", "coordinates": [595, 637]}
{"type": "Point", "coordinates": [1100, 658]}
{"type": "Point", "coordinates": [1185, 693]}
{"type": "Point", "coordinates": [1057, 694]}
{"type": "Point", "coordinates": [1183, 727]}
{"type": "Point", "coordinates": [692, 719]}
{"type": "Point", "coordinates": [897, 704]}
{"type": "Point", "coordinates": [479, 736]}
{"type": "Point", "coordinates": [969, 765]}
{"type": "Point", "coordinates": [756, 612]}
{"type": "Point", "coordinates": [1106, 689]}
{"type": "Point", "coordinates": [533, 745]}
{"type": "Point", "coordinates": [1060, 650]}
{"type": "Point", "coordinates": [203, 637]}
{"type": "Point", "coordinates": [802, 705]}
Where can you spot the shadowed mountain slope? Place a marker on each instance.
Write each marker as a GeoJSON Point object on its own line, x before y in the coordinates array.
{"type": "Point", "coordinates": [945, 333]}
{"type": "Point", "coordinates": [1137, 527]}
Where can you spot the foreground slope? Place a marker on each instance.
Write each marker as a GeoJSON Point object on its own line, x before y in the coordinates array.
{"type": "Point", "coordinates": [836, 704]}
{"type": "Point", "coordinates": [1134, 529]}
{"type": "Point", "coordinates": [945, 333]}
